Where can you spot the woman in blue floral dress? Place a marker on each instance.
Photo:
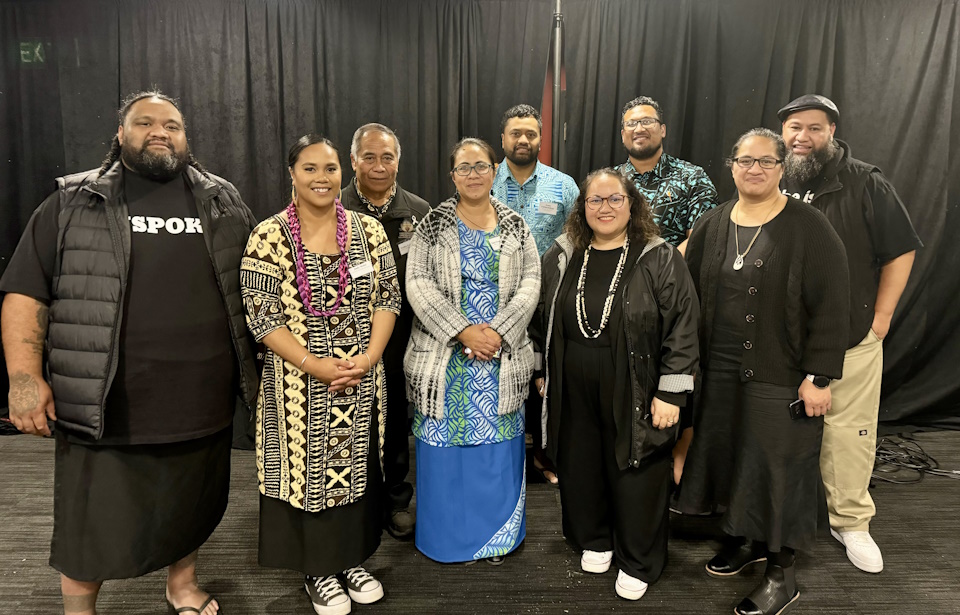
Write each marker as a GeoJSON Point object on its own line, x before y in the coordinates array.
{"type": "Point", "coordinates": [473, 275]}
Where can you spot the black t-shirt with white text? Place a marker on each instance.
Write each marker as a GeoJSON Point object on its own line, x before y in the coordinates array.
{"type": "Point", "coordinates": [176, 372]}
{"type": "Point", "coordinates": [870, 219]}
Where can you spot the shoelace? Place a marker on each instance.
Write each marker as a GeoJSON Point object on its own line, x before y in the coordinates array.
{"type": "Point", "coordinates": [327, 586]}
{"type": "Point", "coordinates": [860, 538]}
{"type": "Point", "coordinates": [358, 576]}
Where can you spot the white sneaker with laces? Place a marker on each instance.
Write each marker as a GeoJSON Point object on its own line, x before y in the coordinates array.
{"type": "Point", "coordinates": [629, 587]}
{"type": "Point", "coordinates": [862, 551]}
{"type": "Point", "coordinates": [362, 586]}
{"type": "Point", "coordinates": [327, 595]}
{"type": "Point", "coordinates": [596, 562]}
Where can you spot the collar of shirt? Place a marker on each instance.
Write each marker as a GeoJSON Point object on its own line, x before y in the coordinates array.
{"type": "Point", "coordinates": [377, 211]}
{"type": "Point", "coordinates": [504, 170]}
{"type": "Point", "coordinates": [661, 169]}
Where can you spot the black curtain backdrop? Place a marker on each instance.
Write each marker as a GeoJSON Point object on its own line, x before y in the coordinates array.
{"type": "Point", "coordinates": [255, 74]}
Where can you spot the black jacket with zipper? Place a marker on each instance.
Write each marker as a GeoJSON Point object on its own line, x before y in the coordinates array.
{"type": "Point", "coordinates": [656, 347]}
{"type": "Point", "coordinates": [90, 278]}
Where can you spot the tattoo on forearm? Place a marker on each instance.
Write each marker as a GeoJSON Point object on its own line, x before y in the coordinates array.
{"type": "Point", "coordinates": [24, 394]}
{"type": "Point", "coordinates": [38, 336]}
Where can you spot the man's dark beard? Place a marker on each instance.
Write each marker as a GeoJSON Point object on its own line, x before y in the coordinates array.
{"type": "Point", "coordinates": [157, 166]}
{"type": "Point", "coordinates": [523, 159]}
{"type": "Point", "coordinates": [801, 169]}
{"type": "Point", "coordinates": [644, 153]}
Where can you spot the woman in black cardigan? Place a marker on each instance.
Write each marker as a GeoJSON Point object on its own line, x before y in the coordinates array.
{"type": "Point", "coordinates": [773, 284]}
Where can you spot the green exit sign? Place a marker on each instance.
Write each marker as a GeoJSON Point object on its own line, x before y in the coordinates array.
{"type": "Point", "coordinates": [33, 52]}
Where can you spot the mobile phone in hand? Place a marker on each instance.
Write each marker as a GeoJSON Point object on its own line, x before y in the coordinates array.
{"type": "Point", "coordinates": [797, 410]}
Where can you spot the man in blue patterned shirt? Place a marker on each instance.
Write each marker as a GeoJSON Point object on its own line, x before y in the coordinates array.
{"type": "Point", "coordinates": [544, 197]}
{"type": "Point", "coordinates": [679, 192]}
{"type": "Point", "coordinates": [541, 194]}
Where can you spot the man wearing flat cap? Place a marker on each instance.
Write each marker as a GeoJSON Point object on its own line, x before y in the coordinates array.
{"type": "Point", "coordinates": [880, 243]}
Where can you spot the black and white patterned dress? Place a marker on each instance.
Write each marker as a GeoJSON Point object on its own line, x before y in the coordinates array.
{"type": "Point", "coordinates": [318, 453]}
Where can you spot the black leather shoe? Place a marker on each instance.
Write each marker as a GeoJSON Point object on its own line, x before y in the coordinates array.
{"type": "Point", "coordinates": [402, 523]}
{"type": "Point", "coordinates": [777, 593]}
{"type": "Point", "coordinates": [732, 560]}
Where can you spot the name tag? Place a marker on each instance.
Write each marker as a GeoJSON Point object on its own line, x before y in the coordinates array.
{"type": "Point", "coordinates": [495, 243]}
{"type": "Point", "coordinates": [364, 268]}
{"type": "Point", "coordinates": [404, 246]}
{"type": "Point", "coordinates": [547, 208]}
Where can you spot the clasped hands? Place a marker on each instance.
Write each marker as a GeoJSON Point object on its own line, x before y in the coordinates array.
{"type": "Point", "coordinates": [338, 374]}
{"type": "Point", "coordinates": [481, 341]}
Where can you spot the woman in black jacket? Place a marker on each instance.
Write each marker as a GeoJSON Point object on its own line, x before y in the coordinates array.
{"type": "Point", "coordinates": [772, 278]}
{"type": "Point", "coordinates": [618, 316]}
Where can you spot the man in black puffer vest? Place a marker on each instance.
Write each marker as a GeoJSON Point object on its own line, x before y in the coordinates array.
{"type": "Point", "coordinates": [123, 322]}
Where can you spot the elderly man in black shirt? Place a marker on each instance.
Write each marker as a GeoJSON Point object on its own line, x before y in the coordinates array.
{"type": "Point", "coordinates": [126, 281]}
{"type": "Point", "coordinates": [880, 243]}
{"type": "Point", "coordinates": [374, 190]}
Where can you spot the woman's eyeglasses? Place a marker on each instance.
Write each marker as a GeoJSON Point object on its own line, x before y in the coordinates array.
{"type": "Point", "coordinates": [746, 162]}
{"type": "Point", "coordinates": [464, 169]}
{"type": "Point", "coordinates": [616, 201]}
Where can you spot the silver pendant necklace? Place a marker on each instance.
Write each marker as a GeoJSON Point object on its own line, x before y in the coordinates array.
{"type": "Point", "coordinates": [738, 262]}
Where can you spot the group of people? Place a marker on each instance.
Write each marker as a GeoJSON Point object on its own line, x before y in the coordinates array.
{"type": "Point", "coordinates": [662, 350]}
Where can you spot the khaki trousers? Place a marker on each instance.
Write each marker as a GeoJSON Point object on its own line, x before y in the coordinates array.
{"type": "Point", "coordinates": [850, 437]}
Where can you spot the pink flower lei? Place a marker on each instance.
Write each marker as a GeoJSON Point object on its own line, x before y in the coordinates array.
{"type": "Point", "coordinates": [303, 283]}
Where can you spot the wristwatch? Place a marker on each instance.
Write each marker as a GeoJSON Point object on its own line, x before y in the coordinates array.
{"type": "Point", "coordinates": [821, 382]}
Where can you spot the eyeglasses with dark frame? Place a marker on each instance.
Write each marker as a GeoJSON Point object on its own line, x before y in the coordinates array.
{"type": "Point", "coordinates": [616, 201]}
{"type": "Point", "coordinates": [464, 169]}
{"type": "Point", "coordinates": [746, 162]}
{"type": "Point", "coordinates": [646, 122]}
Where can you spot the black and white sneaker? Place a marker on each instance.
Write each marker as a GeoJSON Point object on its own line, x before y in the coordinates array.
{"type": "Point", "coordinates": [327, 595]}
{"type": "Point", "coordinates": [362, 586]}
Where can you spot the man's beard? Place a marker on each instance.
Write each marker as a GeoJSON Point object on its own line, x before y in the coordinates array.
{"type": "Point", "coordinates": [525, 158]}
{"type": "Point", "coordinates": [801, 169]}
{"type": "Point", "coordinates": [158, 166]}
{"type": "Point", "coordinates": [644, 153]}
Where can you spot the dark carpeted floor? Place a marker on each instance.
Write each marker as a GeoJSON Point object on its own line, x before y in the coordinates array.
{"type": "Point", "coordinates": [917, 527]}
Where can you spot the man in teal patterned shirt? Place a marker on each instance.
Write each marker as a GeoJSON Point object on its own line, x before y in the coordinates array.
{"type": "Point", "coordinates": [542, 195]}
{"type": "Point", "coordinates": [678, 191]}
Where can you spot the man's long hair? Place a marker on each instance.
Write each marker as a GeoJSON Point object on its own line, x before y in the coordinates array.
{"type": "Point", "coordinates": [114, 154]}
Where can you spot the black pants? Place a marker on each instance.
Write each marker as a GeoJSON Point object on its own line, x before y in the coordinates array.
{"type": "Point", "coordinates": [396, 446]}
{"type": "Point", "coordinates": [534, 408]}
{"type": "Point", "coordinates": [606, 508]}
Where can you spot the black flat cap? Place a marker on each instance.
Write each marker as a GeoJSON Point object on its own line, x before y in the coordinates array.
{"type": "Point", "coordinates": [810, 101]}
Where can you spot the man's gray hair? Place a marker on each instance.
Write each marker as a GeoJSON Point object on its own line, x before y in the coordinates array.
{"type": "Point", "coordinates": [371, 127]}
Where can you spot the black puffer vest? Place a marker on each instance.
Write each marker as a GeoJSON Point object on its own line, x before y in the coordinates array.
{"type": "Point", "coordinates": [93, 261]}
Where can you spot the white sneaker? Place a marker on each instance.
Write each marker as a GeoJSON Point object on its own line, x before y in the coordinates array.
{"type": "Point", "coordinates": [862, 551]}
{"type": "Point", "coordinates": [629, 587]}
{"type": "Point", "coordinates": [363, 587]}
{"type": "Point", "coordinates": [597, 562]}
{"type": "Point", "coordinates": [327, 595]}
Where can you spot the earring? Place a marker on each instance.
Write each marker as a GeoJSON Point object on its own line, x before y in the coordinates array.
{"type": "Point", "coordinates": [340, 194]}
{"type": "Point", "coordinates": [293, 193]}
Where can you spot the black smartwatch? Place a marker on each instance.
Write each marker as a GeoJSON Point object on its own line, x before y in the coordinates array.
{"type": "Point", "coordinates": [821, 382]}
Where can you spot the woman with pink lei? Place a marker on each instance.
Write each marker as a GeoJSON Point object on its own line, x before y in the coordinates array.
{"type": "Point", "coordinates": [320, 291]}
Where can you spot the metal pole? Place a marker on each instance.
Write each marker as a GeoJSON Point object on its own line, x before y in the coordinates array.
{"type": "Point", "coordinates": [558, 123]}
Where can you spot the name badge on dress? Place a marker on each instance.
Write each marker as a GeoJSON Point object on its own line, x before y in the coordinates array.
{"type": "Point", "coordinates": [495, 243]}
{"type": "Point", "coordinates": [547, 208]}
{"type": "Point", "coordinates": [404, 246]}
{"type": "Point", "coordinates": [364, 268]}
